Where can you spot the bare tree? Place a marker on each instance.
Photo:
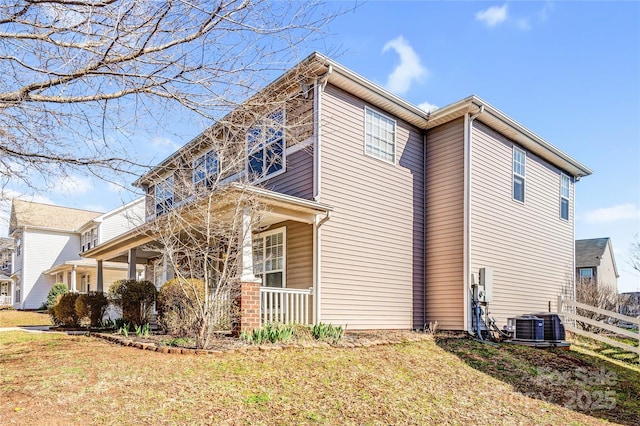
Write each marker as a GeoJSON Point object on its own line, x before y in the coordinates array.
{"type": "Point", "coordinates": [80, 77]}
{"type": "Point", "coordinates": [599, 295]}
{"type": "Point", "coordinates": [634, 251]}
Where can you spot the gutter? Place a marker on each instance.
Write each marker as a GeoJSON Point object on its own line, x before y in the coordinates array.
{"type": "Point", "coordinates": [318, 88]}
{"type": "Point", "coordinates": [468, 151]}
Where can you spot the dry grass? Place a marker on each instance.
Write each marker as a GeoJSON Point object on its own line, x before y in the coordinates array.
{"type": "Point", "coordinates": [11, 318]}
{"type": "Point", "coordinates": [59, 379]}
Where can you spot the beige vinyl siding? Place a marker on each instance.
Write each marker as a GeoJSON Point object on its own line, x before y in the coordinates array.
{"type": "Point", "coordinates": [445, 221]}
{"type": "Point", "coordinates": [606, 274]}
{"type": "Point", "coordinates": [299, 256]}
{"type": "Point", "coordinates": [527, 244]}
{"type": "Point", "coordinates": [298, 179]}
{"type": "Point", "coordinates": [110, 277]}
{"type": "Point", "coordinates": [372, 265]}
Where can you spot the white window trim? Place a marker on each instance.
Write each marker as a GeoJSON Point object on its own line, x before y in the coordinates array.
{"type": "Point", "coordinates": [262, 236]}
{"type": "Point", "coordinates": [395, 139]}
{"type": "Point", "coordinates": [514, 174]}
{"type": "Point", "coordinates": [284, 150]}
{"type": "Point", "coordinates": [562, 197]}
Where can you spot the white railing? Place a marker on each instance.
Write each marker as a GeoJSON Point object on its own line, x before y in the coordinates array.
{"type": "Point", "coordinates": [6, 300]}
{"type": "Point", "coordinates": [567, 309]}
{"type": "Point", "coordinates": [285, 305]}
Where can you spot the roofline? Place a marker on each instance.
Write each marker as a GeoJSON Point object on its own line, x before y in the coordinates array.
{"type": "Point", "coordinates": [340, 76]}
{"type": "Point", "coordinates": [110, 213]}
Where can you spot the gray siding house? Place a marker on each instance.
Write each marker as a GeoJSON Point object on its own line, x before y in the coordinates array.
{"type": "Point", "coordinates": [387, 212]}
{"type": "Point", "coordinates": [596, 262]}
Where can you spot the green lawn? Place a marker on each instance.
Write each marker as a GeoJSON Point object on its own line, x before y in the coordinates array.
{"type": "Point", "coordinates": [60, 379]}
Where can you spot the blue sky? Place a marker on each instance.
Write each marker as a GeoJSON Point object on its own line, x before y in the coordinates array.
{"type": "Point", "coordinates": [568, 71]}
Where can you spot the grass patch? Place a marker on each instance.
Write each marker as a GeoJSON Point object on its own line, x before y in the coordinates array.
{"type": "Point", "coordinates": [11, 318]}
{"type": "Point", "coordinates": [78, 379]}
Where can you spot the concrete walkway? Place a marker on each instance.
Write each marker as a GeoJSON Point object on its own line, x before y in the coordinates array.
{"type": "Point", "coordinates": [27, 328]}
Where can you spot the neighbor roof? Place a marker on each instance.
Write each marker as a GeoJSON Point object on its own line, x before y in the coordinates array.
{"type": "Point", "coordinates": [38, 215]}
{"type": "Point", "coordinates": [589, 252]}
{"type": "Point", "coordinates": [7, 243]}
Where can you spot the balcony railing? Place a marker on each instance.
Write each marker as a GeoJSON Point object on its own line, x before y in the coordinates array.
{"type": "Point", "coordinates": [6, 300]}
{"type": "Point", "coordinates": [285, 305]}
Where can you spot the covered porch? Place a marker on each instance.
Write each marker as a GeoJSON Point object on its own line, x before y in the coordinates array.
{"type": "Point", "coordinates": [81, 275]}
{"type": "Point", "coordinates": [6, 289]}
{"type": "Point", "coordinates": [278, 275]}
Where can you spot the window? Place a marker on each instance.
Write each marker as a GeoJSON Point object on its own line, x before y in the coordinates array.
{"type": "Point", "coordinates": [269, 257]}
{"type": "Point", "coordinates": [205, 167]}
{"type": "Point", "coordinates": [565, 184]}
{"type": "Point", "coordinates": [266, 147]}
{"type": "Point", "coordinates": [519, 158]}
{"type": "Point", "coordinates": [586, 274]}
{"type": "Point", "coordinates": [164, 196]}
{"type": "Point", "coordinates": [379, 136]}
{"type": "Point", "coordinates": [18, 246]}
{"type": "Point", "coordinates": [89, 239]}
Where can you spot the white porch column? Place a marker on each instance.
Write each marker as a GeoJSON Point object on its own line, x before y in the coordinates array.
{"type": "Point", "coordinates": [247, 248]}
{"type": "Point", "coordinates": [73, 279]}
{"type": "Point", "coordinates": [132, 264]}
{"type": "Point", "coordinates": [100, 278]}
{"type": "Point", "coordinates": [64, 278]}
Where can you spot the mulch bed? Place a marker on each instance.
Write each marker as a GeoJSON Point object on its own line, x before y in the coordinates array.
{"type": "Point", "coordinates": [227, 344]}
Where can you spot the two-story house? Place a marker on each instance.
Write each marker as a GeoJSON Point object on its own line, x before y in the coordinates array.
{"type": "Point", "coordinates": [48, 243]}
{"type": "Point", "coordinates": [386, 211]}
{"type": "Point", "coordinates": [596, 262]}
{"type": "Point", "coordinates": [7, 246]}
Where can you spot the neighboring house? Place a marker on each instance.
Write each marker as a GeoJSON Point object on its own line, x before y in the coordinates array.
{"type": "Point", "coordinates": [388, 212]}
{"type": "Point", "coordinates": [6, 261]}
{"type": "Point", "coordinates": [48, 243]}
{"type": "Point", "coordinates": [596, 262]}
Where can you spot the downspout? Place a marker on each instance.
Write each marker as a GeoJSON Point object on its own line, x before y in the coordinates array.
{"type": "Point", "coordinates": [468, 137]}
{"type": "Point", "coordinates": [318, 88]}
{"type": "Point", "coordinates": [424, 231]}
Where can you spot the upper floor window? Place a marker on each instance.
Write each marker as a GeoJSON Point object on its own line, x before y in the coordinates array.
{"type": "Point", "coordinates": [18, 246]}
{"type": "Point", "coordinates": [205, 167]}
{"type": "Point", "coordinates": [519, 159]}
{"type": "Point", "coordinates": [266, 147]}
{"type": "Point", "coordinates": [164, 196]}
{"type": "Point", "coordinates": [565, 185]}
{"type": "Point", "coordinates": [89, 239]}
{"type": "Point", "coordinates": [586, 274]}
{"type": "Point", "coordinates": [380, 136]}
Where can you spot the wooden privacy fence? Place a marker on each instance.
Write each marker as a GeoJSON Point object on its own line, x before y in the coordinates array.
{"type": "Point", "coordinates": [565, 308]}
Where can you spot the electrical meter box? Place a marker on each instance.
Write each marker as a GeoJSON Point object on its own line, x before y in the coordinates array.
{"type": "Point", "coordinates": [484, 289]}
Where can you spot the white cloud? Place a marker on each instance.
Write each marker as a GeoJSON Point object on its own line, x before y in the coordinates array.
{"type": "Point", "coordinates": [409, 69]}
{"type": "Point", "coordinates": [493, 16]}
{"type": "Point", "coordinates": [160, 142]}
{"type": "Point", "coordinates": [543, 14]}
{"type": "Point", "coordinates": [72, 185]}
{"type": "Point", "coordinates": [426, 106]}
{"type": "Point", "coordinates": [612, 214]}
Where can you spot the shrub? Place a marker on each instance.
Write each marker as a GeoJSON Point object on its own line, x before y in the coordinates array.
{"type": "Point", "coordinates": [178, 301]}
{"type": "Point", "coordinates": [55, 291]}
{"type": "Point", "coordinates": [64, 311]}
{"type": "Point", "coordinates": [135, 299]}
{"type": "Point", "coordinates": [92, 306]}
